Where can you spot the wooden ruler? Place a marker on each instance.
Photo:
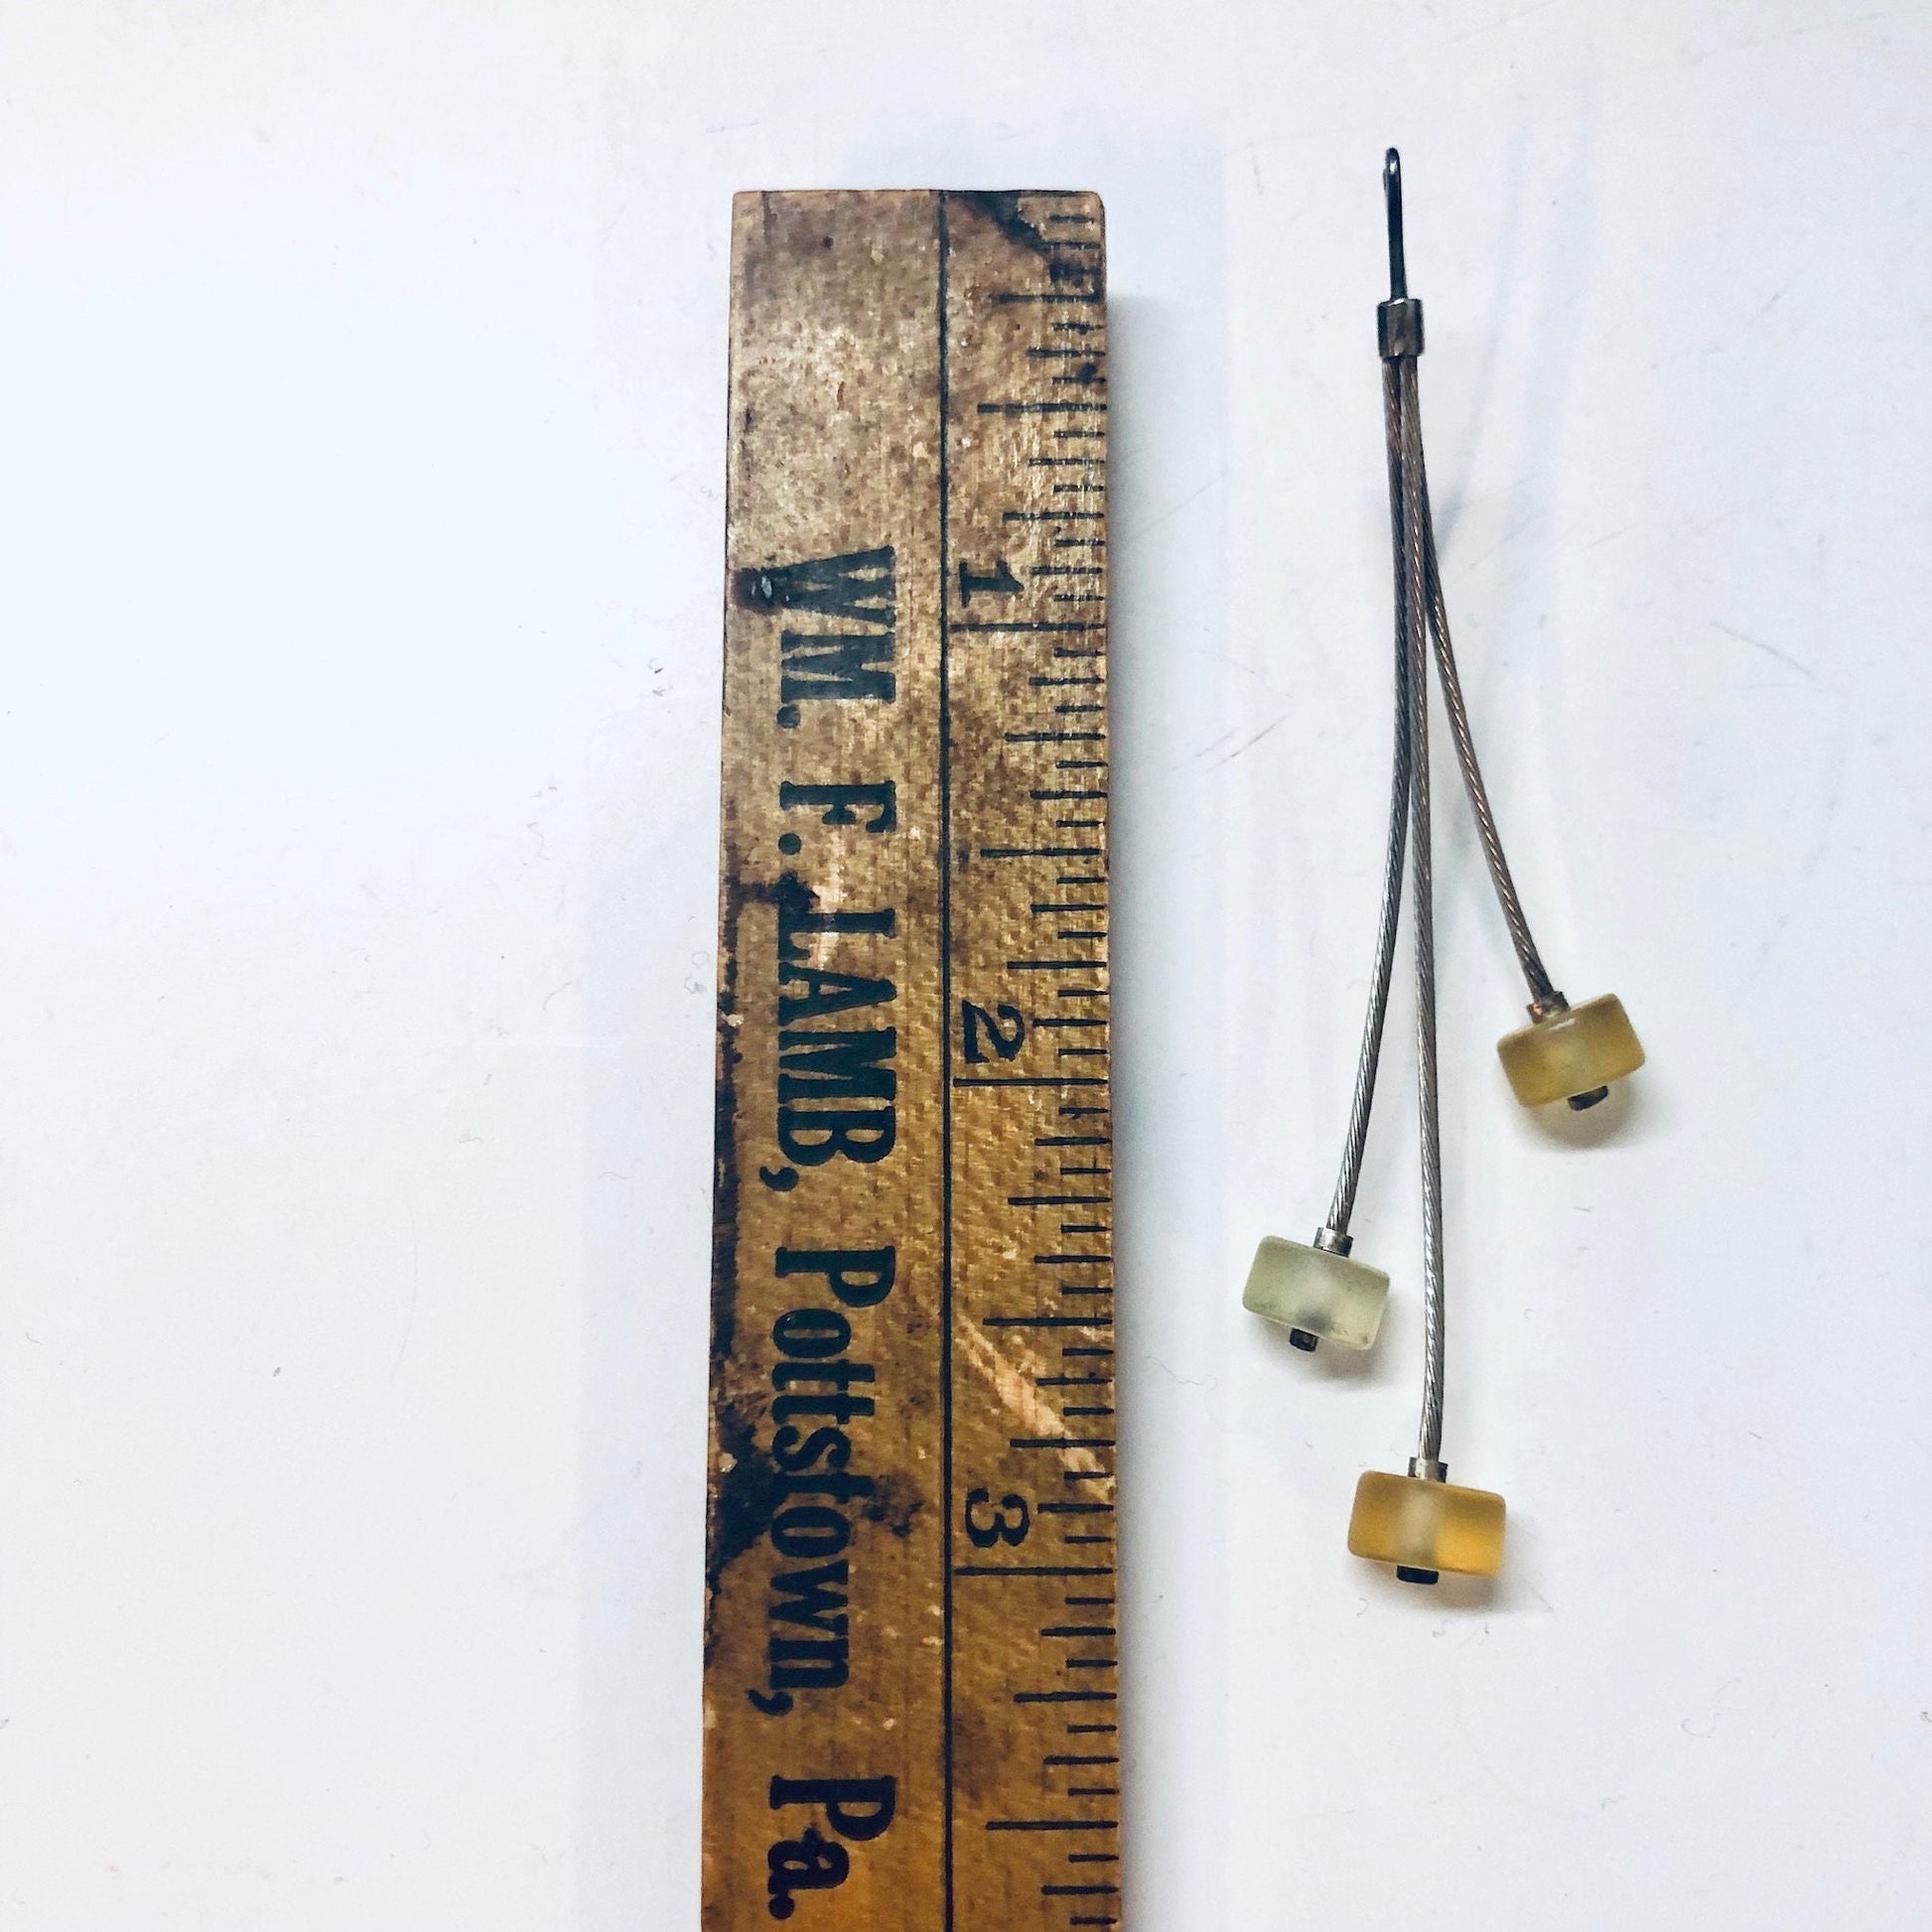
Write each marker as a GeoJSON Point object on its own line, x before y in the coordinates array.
{"type": "Point", "coordinates": [911, 1697]}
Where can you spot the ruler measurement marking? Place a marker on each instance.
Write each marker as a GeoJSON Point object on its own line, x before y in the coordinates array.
{"type": "Point", "coordinates": [1035, 1570]}
{"type": "Point", "coordinates": [1054, 626]}
{"type": "Point", "coordinates": [1040, 852]}
{"type": "Point", "coordinates": [1041, 408]}
{"type": "Point", "coordinates": [1053, 1824]}
{"type": "Point", "coordinates": [981, 1170]}
{"type": "Point", "coordinates": [1028, 1081]}
{"type": "Point", "coordinates": [1046, 1321]}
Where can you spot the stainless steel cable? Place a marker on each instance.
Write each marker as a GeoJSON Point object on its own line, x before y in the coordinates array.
{"type": "Point", "coordinates": [1542, 991]}
{"type": "Point", "coordinates": [1342, 1208]}
{"type": "Point", "coordinates": [1413, 583]}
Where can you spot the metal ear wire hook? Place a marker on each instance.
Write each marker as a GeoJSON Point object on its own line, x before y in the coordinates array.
{"type": "Point", "coordinates": [1398, 322]}
{"type": "Point", "coordinates": [1392, 196]}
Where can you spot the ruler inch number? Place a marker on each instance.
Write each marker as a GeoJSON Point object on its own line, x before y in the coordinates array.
{"type": "Point", "coordinates": [911, 1682]}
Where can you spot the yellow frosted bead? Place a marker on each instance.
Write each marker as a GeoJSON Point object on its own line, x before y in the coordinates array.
{"type": "Point", "coordinates": [1423, 1526]}
{"type": "Point", "coordinates": [1572, 1053]}
{"type": "Point", "coordinates": [1317, 1292]}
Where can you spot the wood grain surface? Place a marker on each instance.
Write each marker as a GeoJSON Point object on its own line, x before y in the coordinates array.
{"type": "Point", "coordinates": [912, 1709]}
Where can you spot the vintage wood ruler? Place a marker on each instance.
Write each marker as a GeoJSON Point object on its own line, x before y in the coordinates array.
{"type": "Point", "coordinates": [912, 1690]}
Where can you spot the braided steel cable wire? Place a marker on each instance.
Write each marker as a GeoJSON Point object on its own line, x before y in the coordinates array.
{"type": "Point", "coordinates": [1414, 600]}
{"type": "Point", "coordinates": [1542, 990]}
{"type": "Point", "coordinates": [1349, 1179]}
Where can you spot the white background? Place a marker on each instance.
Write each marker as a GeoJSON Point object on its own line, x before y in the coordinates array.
{"type": "Point", "coordinates": [361, 375]}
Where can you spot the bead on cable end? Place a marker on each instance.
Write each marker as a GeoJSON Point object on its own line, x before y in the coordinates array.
{"type": "Point", "coordinates": [1315, 1291]}
{"type": "Point", "coordinates": [1423, 1524]}
{"type": "Point", "coordinates": [1571, 1052]}
{"type": "Point", "coordinates": [1398, 320]}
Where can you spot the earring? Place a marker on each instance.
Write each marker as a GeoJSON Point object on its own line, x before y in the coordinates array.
{"type": "Point", "coordinates": [1422, 1523]}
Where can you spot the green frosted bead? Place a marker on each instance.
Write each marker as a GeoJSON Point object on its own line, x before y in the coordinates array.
{"type": "Point", "coordinates": [1317, 1290]}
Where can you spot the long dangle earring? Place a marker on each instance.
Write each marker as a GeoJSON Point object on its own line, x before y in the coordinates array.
{"type": "Point", "coordinates": [1423, 1523]}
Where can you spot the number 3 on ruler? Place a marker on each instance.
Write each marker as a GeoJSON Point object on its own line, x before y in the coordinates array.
{"type": "Point", "coordinates": [1004, 1527]}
